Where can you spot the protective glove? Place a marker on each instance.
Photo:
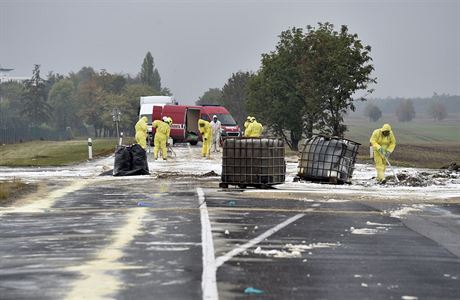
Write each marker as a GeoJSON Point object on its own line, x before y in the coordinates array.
{"type": "Point", "coordinates": [387, 154]}
{"type": "Point", "coordinates": [381, 151]}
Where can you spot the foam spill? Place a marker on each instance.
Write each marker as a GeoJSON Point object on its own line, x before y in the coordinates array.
{"type": "Point", "coordinates": [378, 224]}
{"type": "Point", "coordinates": [290, 250]}
{"type": "Point", "coordinates": [367, 231]}
{"type": "Point", "coordinates": [409, 298]}
{"type": "Point", "coordinates": [98, 279]}
{"type": "Point", "coordinates": [403, 211]}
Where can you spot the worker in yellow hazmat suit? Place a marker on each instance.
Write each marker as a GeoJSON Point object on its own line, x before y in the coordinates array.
{"type": "Point", "coordinates": [206, 134]}
{"type": "Point", "coordinates": [254, 129]}
{"type": "Point", "coordinates": [247, 122]}
{"type": "Point", "coordinates": [162, 131]}
{"type": "Point", "coordinates": [383, 142]}
{"type": "Point", "coordinates": [141, 132]}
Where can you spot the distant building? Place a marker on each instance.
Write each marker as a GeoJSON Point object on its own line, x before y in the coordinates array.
{"type": "Point", "coordinates": [5, 76]}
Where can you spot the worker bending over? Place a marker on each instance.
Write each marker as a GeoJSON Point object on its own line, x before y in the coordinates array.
{"type": "Point", "coordinates": [162, 131]}
{"type": "Point", "coordinates": [141, 132]}
{"type": "Point", "coordinates": [254, 129]}
{"type": "Point", "coordinates": [383, 142]}
{"type": "Point", "coordinates": [206, 134]}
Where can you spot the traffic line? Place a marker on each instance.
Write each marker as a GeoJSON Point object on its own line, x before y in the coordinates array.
{"type": "Point", "coordinates": [99, 278]}
{"type": "Point", "coordinates": [208, 278]}
{"type": "Point", "coordinates": [229, 255]}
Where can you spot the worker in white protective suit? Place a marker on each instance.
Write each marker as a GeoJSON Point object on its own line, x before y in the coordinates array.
{"type": "Point", "coordinates": [216, 128]}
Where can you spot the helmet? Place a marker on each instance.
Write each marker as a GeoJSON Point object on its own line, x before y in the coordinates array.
{"type": "Point", "coordinates": [249, 118]}
{"type": "Point", "coordinates": [214, 117]}
{"type": "Point", "coordinates": [165, 119]}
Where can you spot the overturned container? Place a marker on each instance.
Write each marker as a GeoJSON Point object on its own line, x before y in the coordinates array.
{"type": "Point", "coordinates": [327, 159]}
{"type": "Point", "coordinates": [257, 162]}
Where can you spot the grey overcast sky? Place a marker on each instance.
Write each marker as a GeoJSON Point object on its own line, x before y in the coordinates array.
{"type": "Point", "coordinates": [198, 44]}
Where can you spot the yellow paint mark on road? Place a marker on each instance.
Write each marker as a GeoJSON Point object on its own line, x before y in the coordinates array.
{"type": "Point", "coordinates": [47, 201]}
{"type": "Point", "coordinates": [99, 276]}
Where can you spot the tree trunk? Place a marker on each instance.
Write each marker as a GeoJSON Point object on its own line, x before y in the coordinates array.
{"type": "Point", "coordinates": [294, 141]}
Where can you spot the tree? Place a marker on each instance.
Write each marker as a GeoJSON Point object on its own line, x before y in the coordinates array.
{"type": "Point", "coordinates": [61, 99]}
{"type": "Point", "coordinates": [308, 82]}
{"type": "Point", "coordinates": [211, 96]}
{"type": "Point", "coordinates": [149, 75]}
{"type": "Point", "coordinates": [373, 112]}
{"type": "Point", "coordinates": [34, 100]}
{"type": "Point", "coordinates": [234, 95]}
{"type": "Point", "coordinates": [405, 111]}
{"type": "Point", "coordinates": [338, 65]}
{"type": "Point", "coordinates": [437, 110]}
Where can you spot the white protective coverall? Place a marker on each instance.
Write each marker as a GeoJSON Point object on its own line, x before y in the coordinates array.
{"type": "Point", "coordinates": [216, 127]}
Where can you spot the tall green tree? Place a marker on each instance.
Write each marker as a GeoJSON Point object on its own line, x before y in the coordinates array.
{"type": "Point", "coordinates": [308, 82]}
{"type": "Point", "coordinates": [147, 70]}
{"type": "Point", "coordinates": [211, 96]}
{"type": "Point", "coordinates": [34, 100]}
{"type": "Point", "coordinates": [234, 95]}
{"type": "Point", "coordinates": [149, 74]}
{"type": "Point", "coordinates": [64, 105]}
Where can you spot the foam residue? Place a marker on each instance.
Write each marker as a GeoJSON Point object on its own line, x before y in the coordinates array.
{"type": "Point", "coordinates": [290, 250]}
{"type": "Point", "coordinates": [406, 209]}
{"type": "Point", "coordinates": [367, 231]}
{"type": "Point", "coordinates": [409, 297]}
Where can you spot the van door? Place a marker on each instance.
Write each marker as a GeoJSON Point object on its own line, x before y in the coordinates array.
{"type": "Point", "coordinates": [191, 125]}
{"type": "Point", "coordinates": [157, 113]}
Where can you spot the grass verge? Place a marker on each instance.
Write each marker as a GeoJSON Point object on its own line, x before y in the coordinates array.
{"type": "Point", "coordinates": [10, 190]}
{"type": "Point", "coordinates": [53, 153]}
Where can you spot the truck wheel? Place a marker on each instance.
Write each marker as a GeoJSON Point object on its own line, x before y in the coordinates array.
{"type": "Point", "coordinates": [193, 143]}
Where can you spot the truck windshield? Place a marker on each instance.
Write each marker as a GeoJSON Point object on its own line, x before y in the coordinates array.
{"type": "Point", "coordinates": [149, 118]}
{"type": "Point", "coordinates": [226, 120]}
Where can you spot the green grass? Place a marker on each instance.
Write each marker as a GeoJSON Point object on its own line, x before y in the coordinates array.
{"type": "Point", "coordinates": [416, 132]}
{"type": "Point", "coordinates": [9, 188]}
{"type": "Point", "coordinates": [52, 153]}
{"type": "Point", "coordinates": [420, 143]}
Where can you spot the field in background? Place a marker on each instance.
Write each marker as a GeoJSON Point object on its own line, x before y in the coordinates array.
{"type": "Point", "coordinates": [420, 143]}
{"type": "Point", "coordinates": [53, 153]}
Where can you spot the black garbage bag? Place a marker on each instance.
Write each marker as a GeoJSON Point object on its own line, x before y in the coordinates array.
{"type": "Point", "coordinates": [130, 160]}
{"type": "Point", "coordinates": [139, 164]}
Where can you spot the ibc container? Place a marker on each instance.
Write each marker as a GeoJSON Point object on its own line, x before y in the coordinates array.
{"type": "Point", "coordinates": [257, 162]}
{"type": "Point", "coordinates": [327, 159]}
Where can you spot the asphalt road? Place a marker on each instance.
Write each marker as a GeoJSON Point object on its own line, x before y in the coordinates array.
{"type": "Point", "coordinates": [146, 238]}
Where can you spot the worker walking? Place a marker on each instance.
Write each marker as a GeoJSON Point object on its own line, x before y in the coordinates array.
{"type": "Point", "coordinates": [141, 132]}
{"type": "Point", "coordinates": [383, 142]}
{"type": "Point", "coordinates": [254, 129]}
{"type": "Point", "coordinates": [162, 131]}
{"type": "Point", "coordinates": [216, 128]}
{"type": "Point", "coordinates": [206, 133]}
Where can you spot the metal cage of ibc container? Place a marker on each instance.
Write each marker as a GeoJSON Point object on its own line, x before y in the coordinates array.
{"type": "Point", "coordinates": [327, 159]}
{"type": "Point", "coordinates": [257, 162]}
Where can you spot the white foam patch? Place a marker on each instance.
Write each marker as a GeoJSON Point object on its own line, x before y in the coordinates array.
{"type": "Point", "coordinates": [365, 231]}
{"type": "Point", "coordinates": [378, 224]}
{"type": "Point", "coordinates": [290, 250]}
{"type": "Point", "coordinates": [404, 210]}
{"type": "Point", "coordinates": [409, 297]}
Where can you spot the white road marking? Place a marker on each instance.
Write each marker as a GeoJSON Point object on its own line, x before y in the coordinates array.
{"type": "Point", "coordinates": [229, 255]}
{"type": "Point", "coordinates": [208, 278]}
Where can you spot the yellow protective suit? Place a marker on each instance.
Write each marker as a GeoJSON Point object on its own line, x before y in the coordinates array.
{"type": "Point", "coordinates": [141, 132]}
{"type": "Point", "coordinates": [162, 131]}
{"type": "Point", "coordinates": [206, 134]}
{"type": "Point", "coordinates": [254, 130]}
{"type": "Point", "coordinates": [247, 122]}
{"type": "Point", "coordinates": [388, 143]}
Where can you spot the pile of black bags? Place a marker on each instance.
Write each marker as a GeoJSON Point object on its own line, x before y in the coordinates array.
{"type": "Point", "coordinates": [130, 160]}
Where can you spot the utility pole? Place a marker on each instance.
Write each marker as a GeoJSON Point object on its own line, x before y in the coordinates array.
{"type": "Point", "coordinates": [116, 117]}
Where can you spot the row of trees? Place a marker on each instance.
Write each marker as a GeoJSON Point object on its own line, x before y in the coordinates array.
{"type": "Point", "coordinates": [405, 111]}
{"type": "Point", "coordinates": [79, 100]}
{"type": "Point", "coordinates": [306, 85]}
